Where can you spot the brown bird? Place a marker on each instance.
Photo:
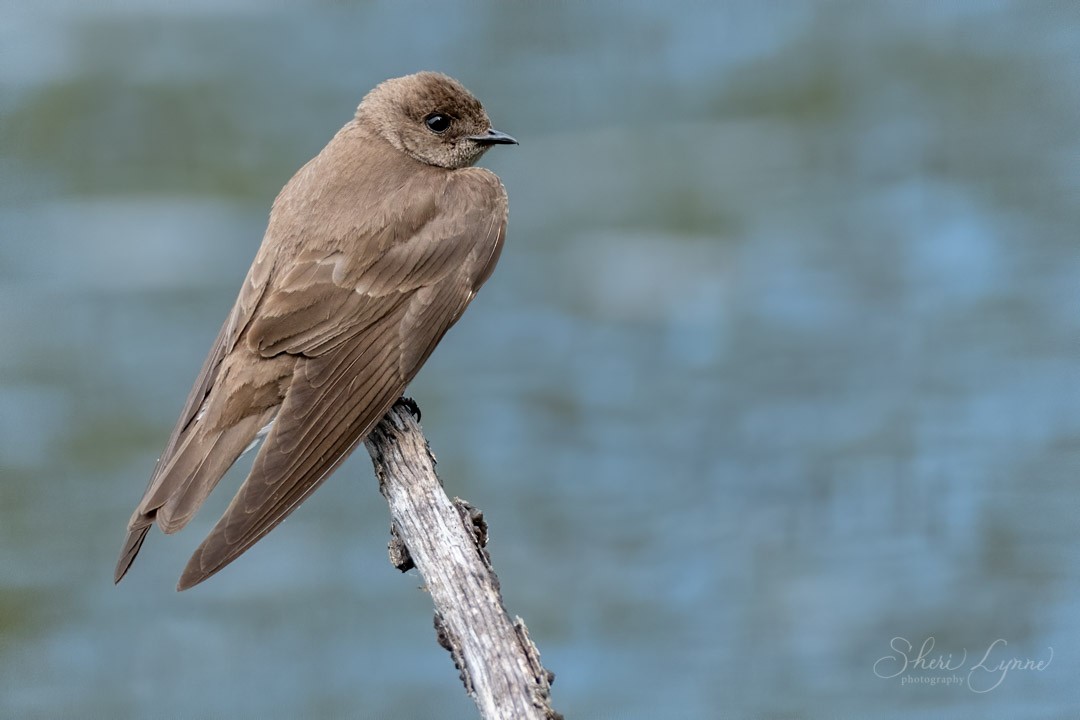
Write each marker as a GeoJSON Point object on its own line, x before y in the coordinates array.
{"type": "Point", "coordinates": [374, 249]}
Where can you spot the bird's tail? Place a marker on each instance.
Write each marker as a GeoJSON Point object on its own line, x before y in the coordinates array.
{"type": "Point", "coordinates": [182, 483]}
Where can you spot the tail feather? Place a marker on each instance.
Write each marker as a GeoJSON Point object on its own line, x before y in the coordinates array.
{"type": "Point", "coordinates": [182, 483]}
{"type": "Point", "coordinates": [201, 465]}
{"type": "Point", "coordinates": [132, 543]}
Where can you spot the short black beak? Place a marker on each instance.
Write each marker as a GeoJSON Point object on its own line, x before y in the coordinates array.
{"type": "Point", "coordinates": [494, 137]}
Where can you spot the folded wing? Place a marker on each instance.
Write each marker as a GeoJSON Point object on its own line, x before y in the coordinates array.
{"type": "Point", "coordinates": [359, 326]}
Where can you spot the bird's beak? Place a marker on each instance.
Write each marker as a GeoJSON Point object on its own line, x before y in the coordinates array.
{"type": "Point", "coordinates": [494, 137]}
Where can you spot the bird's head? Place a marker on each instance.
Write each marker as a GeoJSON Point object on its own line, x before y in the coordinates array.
{"type": "Point", "coordinates": [431, 117]}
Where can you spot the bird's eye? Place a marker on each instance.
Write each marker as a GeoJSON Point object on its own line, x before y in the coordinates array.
{"type": "Point", "coordinates": [437, 123]}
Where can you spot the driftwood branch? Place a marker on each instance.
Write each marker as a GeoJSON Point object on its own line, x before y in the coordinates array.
{"type": "Point", "coordinates": [500, 666]}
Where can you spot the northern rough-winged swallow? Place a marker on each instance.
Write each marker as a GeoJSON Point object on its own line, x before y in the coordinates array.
{"type": "Point", "coordinates": [373, 250]}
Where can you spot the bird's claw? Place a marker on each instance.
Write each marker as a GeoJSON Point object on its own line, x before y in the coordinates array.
{"type": "Point", "coordinates": [409, 404]}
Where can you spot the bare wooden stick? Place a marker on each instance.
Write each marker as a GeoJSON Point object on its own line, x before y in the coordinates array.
{"type": "Point", "coordinates": [500, 666]}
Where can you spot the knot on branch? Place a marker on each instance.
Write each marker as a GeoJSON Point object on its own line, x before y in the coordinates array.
{"type": "Point", "coordinates": [399, 553]}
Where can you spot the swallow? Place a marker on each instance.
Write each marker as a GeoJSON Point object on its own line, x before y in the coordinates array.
{"type": "Point", "coordinates": [372, 252]}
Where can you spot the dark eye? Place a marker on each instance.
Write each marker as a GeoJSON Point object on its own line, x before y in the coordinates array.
{"type": "Point", "coordinates": [437, 122]}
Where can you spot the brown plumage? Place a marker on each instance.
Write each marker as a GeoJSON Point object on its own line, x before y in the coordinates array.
{"type": "Point", "coordinates": [373, 250]}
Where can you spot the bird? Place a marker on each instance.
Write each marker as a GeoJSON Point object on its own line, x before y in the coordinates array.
{"type": "Point", "coordinates": [373, 250]}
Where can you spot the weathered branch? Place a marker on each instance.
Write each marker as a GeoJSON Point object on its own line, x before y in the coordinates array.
{"type": "Point", "coordinates": [500, 666]}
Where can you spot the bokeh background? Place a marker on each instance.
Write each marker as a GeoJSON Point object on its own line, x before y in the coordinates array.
{"type": "Point", "coordinates": [780, 363]}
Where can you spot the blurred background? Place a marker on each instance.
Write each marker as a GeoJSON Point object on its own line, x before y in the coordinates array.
{"type": "Point", "coordinates": [780, 363]}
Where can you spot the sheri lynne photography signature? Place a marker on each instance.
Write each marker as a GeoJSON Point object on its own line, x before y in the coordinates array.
{"type": "Point", "coordinates": [923, 667]}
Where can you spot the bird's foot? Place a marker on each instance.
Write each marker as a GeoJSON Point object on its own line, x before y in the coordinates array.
{"type": "Point", "coordinates": [409, 404]}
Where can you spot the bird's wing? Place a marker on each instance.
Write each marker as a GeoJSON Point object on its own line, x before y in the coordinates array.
{"type": "Point", "coordinates": [361, 331]}
{"type": "Point", "coordinates": [239, 316]}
